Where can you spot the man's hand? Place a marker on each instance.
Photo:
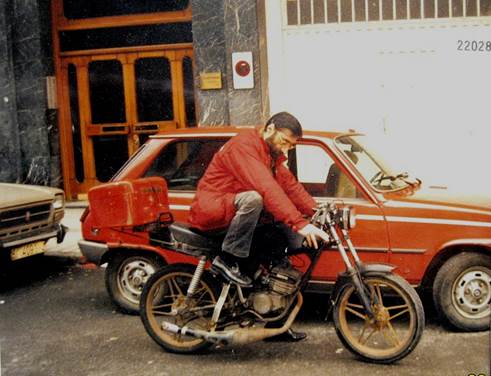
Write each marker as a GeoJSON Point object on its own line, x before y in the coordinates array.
{"type": "Point", "coordinates": [311, 233]}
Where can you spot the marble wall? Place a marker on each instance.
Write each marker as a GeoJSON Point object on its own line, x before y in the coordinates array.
{"type": "Point", "coordinates": [10, 170]}
{"type": "Point", "coordinates": [28, 135]}
{"type": "Point", "coordinates": [221, 27]}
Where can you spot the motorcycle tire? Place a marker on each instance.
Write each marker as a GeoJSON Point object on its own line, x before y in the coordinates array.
{"type": "Point", "coordinates": [163, 298]}
{"type": "Point", "coordinates": [397, 325]}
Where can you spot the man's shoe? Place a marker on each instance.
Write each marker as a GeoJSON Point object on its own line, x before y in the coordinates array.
{"type": "Point", "coordinates": [289, 336]}
{"type": "Point", "coordinates": [231, 273]}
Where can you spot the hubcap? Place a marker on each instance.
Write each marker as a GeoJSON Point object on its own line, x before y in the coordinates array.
{"type": "Point", "coordinates": [472, 293]}
{"type": "Point", "coordinates": [132, 277]}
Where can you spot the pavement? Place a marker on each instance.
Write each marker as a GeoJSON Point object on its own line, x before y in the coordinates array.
{"type": "Point", "coordinates": [69, 246]}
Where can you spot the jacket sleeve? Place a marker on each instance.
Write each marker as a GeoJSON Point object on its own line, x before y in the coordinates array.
{"type": "Point", "coordinates": [295, 191]}
{"type": "Point", "coordinates": [244, 163]}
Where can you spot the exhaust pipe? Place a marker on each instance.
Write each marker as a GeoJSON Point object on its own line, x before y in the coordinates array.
{"type": "Point", "coordinates": [237, 336]}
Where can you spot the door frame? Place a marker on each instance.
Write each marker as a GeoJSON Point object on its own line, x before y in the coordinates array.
{"type": "Point", "coordinates": [74, 189]}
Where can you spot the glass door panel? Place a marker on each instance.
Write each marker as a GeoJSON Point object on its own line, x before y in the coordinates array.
{"type": "Point", "coordinates": [110, 153]}
{"type": "Point", "coordinates": [106, 90]}
{"type": "Point", "coordinates": [153, 89]}
{"type": "Point", "coordinates": [157, 93]}
{"type": "Point", "coordinates": [108, 115]}
{"type": "Point", "coordinates": [188, 80]}
{"type": "Point", "coordinates": [78, 157]}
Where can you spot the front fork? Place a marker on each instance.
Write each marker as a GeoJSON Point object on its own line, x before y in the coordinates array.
{"type": "Point", "coordinates": [352, 272]}
{"type": "Point", "coordinates": [362, 291]}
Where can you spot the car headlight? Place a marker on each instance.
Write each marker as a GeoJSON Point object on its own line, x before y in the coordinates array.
{"type": "Point", "coordinates": [59, 202]}
{"type": "Point", "coordinates": [348, 217]}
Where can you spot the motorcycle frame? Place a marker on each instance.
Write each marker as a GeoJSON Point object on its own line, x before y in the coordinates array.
{"type": "Point", "coordinates": [354, 273]}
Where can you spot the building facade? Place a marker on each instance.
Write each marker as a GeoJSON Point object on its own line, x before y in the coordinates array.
{"type": "Point", "coordinates": [83, 84]}
{"type": "Point", "coordinates": [86, 83]}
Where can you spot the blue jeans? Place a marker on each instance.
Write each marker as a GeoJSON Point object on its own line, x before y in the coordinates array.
{"type": "Point", "coordinates": [249, 206]}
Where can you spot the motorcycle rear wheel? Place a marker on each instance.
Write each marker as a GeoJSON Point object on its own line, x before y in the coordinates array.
{"type": "Point", "coordinates": [164, 299]}
{"type": "Point", "coordinates": [398, 324]}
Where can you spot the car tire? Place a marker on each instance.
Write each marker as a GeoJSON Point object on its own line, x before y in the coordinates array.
{"type": "Point", "coordinates": [125, 277]}
{"type": "Point", "coordinates": [462, 292]}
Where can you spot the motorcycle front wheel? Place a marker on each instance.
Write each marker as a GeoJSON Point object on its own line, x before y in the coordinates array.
{"type": "Point", "coordinates": [396, 327]}
{"type": "Point", "coordinates": [164, 299]}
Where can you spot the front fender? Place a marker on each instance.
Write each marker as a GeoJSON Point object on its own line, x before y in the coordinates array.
{"type": "Point", "coordinates": [369, 269]}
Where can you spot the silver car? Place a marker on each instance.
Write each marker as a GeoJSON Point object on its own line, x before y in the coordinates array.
{"type": "Point", "coordinates": [30, 215]}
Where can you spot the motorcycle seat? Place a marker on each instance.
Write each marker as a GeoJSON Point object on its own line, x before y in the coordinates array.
{"type": "Point", "coordinates": [193, 237]}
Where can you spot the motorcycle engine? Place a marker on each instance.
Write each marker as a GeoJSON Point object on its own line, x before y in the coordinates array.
{"type": "Point", "coordinates": [280, 283]}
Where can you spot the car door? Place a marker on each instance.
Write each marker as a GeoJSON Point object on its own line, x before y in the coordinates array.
{"type": "Point", "coordinates": [327, 176]}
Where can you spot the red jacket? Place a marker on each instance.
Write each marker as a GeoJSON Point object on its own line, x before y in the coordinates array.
{"type": "Point", "coordinates": [244, 164]}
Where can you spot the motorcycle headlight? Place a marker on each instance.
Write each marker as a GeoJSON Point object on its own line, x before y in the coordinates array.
{"type": "Point", "coordinates": [348, 218]}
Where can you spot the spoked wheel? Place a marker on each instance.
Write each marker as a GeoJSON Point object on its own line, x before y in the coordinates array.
{"type": "Point", "coordinates": [164, 300]}
{"type": "Point", "coordinates": [396, 328]}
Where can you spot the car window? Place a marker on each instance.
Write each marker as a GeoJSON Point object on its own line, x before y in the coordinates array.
{"type": "Point", "coordinates": [320, 175]}
{"type": "Point", "coordinates": [183, 163]}
{"type": "Point", "coordinates": [371, 163]}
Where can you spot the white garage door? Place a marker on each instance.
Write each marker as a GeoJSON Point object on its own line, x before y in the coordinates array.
{"type": "Point", "coordinates": [397, 67]}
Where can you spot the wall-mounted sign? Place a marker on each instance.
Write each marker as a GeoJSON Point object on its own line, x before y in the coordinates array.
{"type": "Point", "coordinates": [243, 70]}
{"type": "Point", "coordinates": [210, 80]}
{"type": "Point", "coordinates": [51, 92]}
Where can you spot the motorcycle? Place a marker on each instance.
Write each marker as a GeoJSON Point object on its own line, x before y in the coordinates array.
{"type": "Point", "coordinates": [186, 309]}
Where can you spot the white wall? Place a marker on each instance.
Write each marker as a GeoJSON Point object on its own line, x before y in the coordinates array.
{"type": "Point", "coordinates": [404, 79]}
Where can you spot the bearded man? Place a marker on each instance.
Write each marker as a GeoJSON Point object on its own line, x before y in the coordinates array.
{"type": "Point", "coordinates": [246, 176]}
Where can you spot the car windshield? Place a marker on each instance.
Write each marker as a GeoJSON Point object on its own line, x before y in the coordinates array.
{"type": "Point", "coordinates": [371, 158]}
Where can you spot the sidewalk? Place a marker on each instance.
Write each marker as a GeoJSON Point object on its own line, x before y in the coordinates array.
{"type": "Point", "coordinates": [69, 246]}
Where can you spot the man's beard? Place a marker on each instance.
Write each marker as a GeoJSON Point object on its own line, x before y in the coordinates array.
{"type": "Point", "coordinates": [273, 149]}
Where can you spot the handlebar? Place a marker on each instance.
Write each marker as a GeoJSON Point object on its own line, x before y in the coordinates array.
{"type": "Point", "coordinates": [328, 213]}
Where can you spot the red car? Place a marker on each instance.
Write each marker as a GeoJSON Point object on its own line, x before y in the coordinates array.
{"type": "Point", "coordinates": [439, 241]}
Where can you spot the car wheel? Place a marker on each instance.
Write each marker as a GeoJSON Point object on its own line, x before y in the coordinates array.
{"type": "Point", "coordinates": [125, 277]}
{"type": "Point", "coordinates": [462, 292]}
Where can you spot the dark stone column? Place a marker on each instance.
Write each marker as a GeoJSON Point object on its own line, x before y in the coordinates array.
{"type": "Point", "coordinates": [51, 119]}
{"type": "Point", "coordinates": [221, 27]}
{"type": "Point", "coordinates": [29, 72]}
{"type": "Point", "coordinates": [209, 55]}
{"type": "Point", "coordinates": [10, 170]}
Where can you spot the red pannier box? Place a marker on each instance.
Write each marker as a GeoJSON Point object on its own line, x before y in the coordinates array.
{"type": "Point", "coordinates": [130, 203]}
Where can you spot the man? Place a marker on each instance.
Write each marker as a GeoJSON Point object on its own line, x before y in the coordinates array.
{"type": "Point", "coordinates": [246, 176]}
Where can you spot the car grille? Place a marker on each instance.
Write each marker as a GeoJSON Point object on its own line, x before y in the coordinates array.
{"type": "Point", "coordinates": [24, 219]}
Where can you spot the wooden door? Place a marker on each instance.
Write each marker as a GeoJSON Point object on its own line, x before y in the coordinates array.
{"type": "Point", "coordinates": [113, 102]}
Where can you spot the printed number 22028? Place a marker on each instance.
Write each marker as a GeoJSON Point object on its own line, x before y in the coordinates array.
{"type": "Point", "coordinates": [474, 45]}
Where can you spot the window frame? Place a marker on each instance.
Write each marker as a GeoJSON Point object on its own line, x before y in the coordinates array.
{"type": "Point", "coordinates": [361, 192]}
{"type": "Point", "coordinates": [184, 140]}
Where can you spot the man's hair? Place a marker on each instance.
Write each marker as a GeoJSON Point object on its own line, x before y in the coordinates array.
{"type": "Point", "coordinates": [285, 120]}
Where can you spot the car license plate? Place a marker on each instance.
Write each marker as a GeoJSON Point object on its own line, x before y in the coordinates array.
{"type": "Point", "coordinates": [27, 250]}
